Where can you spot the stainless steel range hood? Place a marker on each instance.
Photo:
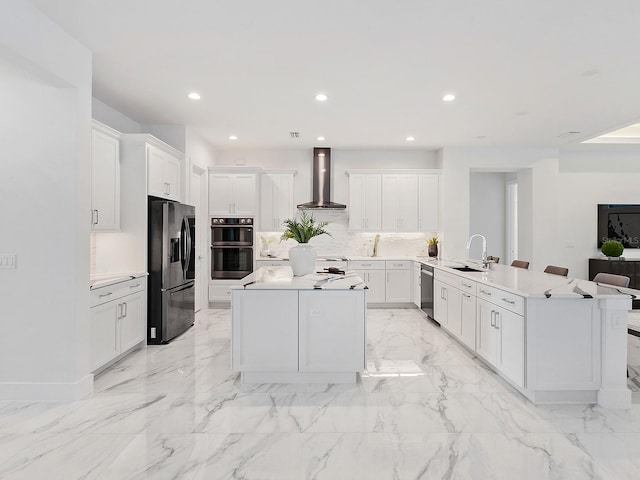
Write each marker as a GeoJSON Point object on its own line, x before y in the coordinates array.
{"type": "Point", "coordinates": [322, 182]}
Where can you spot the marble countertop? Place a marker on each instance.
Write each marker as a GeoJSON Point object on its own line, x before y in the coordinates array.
{"type": "Point", "coordinates": [281, 278]}
{"type": "Point", "coordinates": [530, 283]}
{"type": "Point", "coordinates": [106, 279]}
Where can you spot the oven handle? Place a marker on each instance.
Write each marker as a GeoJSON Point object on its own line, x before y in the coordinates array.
{"type": "Point", "coordinates": [232, 245]}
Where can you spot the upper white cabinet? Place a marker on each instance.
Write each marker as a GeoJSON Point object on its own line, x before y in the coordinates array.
{"type": "Point", "coordinates": [105, 178]}
{"type": "Point", "coordinates": [276, 195]}
{"type": "Point", "coordinates": [232, 193]}
{"type": "Point", "coordinates": [399, 203]}
{"type": "Point", "coordinates": [164, 170]}
{"type": "Point", "coordinates": [429, 203]}
{"type": "Point", "coordinates": [365, 202]}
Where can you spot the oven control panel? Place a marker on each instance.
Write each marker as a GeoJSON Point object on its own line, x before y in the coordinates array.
{"type": "Point", "coordinates": [232, 221]}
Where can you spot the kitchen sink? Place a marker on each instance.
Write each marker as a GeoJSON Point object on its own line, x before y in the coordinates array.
{"type": "Point", "coordinates": [466, 269]}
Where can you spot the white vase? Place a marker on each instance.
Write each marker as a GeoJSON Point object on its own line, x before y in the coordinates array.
{"type": "Point", "coordinates": [302, 258]}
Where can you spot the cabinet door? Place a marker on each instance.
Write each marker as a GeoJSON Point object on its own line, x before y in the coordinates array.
{"type": "Point", "coordinates": [103, 333]}
{"type": "Point", "coordinates": [510, 327]}
{"type": "Point", "coordinates": [132, 321]}
{"type": "Point", "coordinates": [105, 181]}
{"type": "Point", "coordinates": [332, 332]}
{"type": "Point", "coordinates": [243, 199]}
{"type": "Point", "coordinates": [408, 203]}
{"type": "Point", "coordinates": [440, 309]}
{"type": "Point", "coordinates": [429, 203]}
{"type": "Point", "coordinates": [391, 203]}
{"type": "Point", "coordinates": [171, 176]}
{"type": "Point", "coordinates": [264, 330]}
{"type": "Point", "coordinates": [377, 283]}
{"type": "Point", "coordinates": [357, 202]}
{"type": "Point", "coordinates": [373, 203]}
{"type": "Point", "coordinates": [398, 286]}
{"type": "Point", "coordinates": [417, 284]}
{"type": "Point", "coordinates": [454, 312]}
{"type": "Point", "coordinates": [220, 198]}
{"type": "Point", "coordinates": [468, 319]}
{"type": "Point", "coordinates": [156, 183]}
{"type": "Point", "coordinates": [276, 204]}
{"type": "Point", "coordinates": [486, 336]}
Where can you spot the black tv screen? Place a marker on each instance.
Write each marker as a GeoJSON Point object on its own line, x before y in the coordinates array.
{"type": "Point", "coordinates": [619, 222]}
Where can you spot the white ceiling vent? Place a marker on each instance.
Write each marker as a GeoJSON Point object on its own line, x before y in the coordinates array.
{"type": "Point", "coordinates": [567, 134]}
{"type": "Point", "coordinates": [294, 134]}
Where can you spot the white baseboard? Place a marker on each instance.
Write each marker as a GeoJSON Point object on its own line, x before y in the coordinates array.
{"type": "Point", "coordinates": [46, 392]}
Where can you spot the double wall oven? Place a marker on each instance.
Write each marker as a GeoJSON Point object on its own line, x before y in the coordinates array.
{"type": "Point", "coordinates": [231, 248]}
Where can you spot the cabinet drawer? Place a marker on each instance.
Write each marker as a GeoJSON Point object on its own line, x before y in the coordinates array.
{"type": "Point", "coordinates": [367, 265]}
{"type": "Point", "coordinates": [446, 277]}
{"type": "Point", "coordinates": [466, 285]}
{"type": "Point", "coordinates": [108, 293]}
{"type": "Point", "coordinates": [219, 293]}
{"type": "Point", "coordinates": [398, 264]}
{"type": "Point", "coordinates": [271, 263]}
{"type": "Point", "coordinates": [506, 300]}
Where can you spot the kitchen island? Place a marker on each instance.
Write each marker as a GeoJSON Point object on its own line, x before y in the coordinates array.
{"type": "Point", "coordinates": [306, 329]}
{"type": "Point", "coordinates": [555, 339]}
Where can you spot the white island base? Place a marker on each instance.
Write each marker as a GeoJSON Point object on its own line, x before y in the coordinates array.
{"type": "Point", "coordinates": [286, 331]}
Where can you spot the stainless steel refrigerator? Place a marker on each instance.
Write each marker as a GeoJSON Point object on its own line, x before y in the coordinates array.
{"type": "Point", "coordinates": [171, 265]}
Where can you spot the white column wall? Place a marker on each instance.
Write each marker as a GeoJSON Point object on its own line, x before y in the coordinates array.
{"type": "Point", "coordinates": [45, 90]}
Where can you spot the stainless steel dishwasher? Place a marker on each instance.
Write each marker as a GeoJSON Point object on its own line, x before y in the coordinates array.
{"type": "Point", "coordinates": [426, 290]}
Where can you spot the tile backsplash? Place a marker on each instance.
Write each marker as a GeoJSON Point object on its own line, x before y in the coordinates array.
{"type": "Point", "coordinates": [342, 242]}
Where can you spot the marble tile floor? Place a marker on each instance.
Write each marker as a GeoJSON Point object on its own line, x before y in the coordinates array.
{"type": "Point", "coordinates": [425, 409]}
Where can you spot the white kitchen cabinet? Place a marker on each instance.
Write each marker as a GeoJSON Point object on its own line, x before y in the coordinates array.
{"type": "Point", "coordinates": [117, 320]}
{"type": "Point", "coordinates": [440, 297]}
{"type": "Point", "coordinates": [219, 290]}
{"type": "Point", "coordinates": [365, 202]}
{"type": "Point", "coordinates": [398, 281]}
{"type": "Point", "coordinates": [332, 319]}
{"type": "Point", "coordinates": [429, 203]}
{"type": "Point", "coordinates": [468, 319]}
{"type": "Point", "coordinates": [500, 340]}
{"type": "Point", "coordinates": [105, 178]}
{"type": "Point", "coordinates": [265, 331]}
{"type": "Point", "coordinates": [417, 284]}
{"type": "Point", "coordinates": [399, 203]}
{"type": "Point", "coordinates": [232, 194]}
{"type": "Point", "coordinates": [373, 273]}
{"type": "Point", "coordinates": [276, 205]}
{"type": "Point", "coordinates": [163, 173]}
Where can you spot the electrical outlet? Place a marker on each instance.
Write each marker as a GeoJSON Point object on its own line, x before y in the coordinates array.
{"type": "Point", "coordinates": [8, 260]}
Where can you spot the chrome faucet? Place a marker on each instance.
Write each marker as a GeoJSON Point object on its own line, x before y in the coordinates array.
{"type": "Point", "coordinates": [484, 248]}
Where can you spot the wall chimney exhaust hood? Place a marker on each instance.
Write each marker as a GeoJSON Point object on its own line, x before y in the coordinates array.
{"type": "Point", "coordinates": [322, 182]}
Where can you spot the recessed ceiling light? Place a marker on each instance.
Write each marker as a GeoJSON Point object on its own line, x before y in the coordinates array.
{"type": "Point", "coordinates": [321, 139]}
{"type": "Point", "coordinates": [449, 97]}
{"type": "Point", "coordinates": [232, 137]}
{"type": "Point", "coordinates": [321, 97]}
{"type": "Point", "coordinates": [410, 139]}
{"type": "Point", "coordinates": [194, 96]}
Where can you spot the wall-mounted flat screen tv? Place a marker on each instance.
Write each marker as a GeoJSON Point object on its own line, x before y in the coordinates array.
{"type": "Point", "coordinates": [619, 222]}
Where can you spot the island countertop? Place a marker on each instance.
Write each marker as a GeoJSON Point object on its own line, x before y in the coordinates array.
{"type": "Point", "coordinates": [529, 283]}
{"type": "Point", "coordinates": [282, 278]}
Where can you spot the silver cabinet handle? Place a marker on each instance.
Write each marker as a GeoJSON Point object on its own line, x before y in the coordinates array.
{"type": "Point", "coordinates": [105, 295]}
{"type": "Point", "coordinates": [124, 309]}
{"type": "Point", "coordinates": [134, 286]}
{"type": "Point", "coordinates": [493, 318]}
{"type": "Point", "coordinates": [94, 217]}
{"type": "Point", "coordinates": [119, 311]}
{"type": "Point", "coordinates": [497, 320]}
{"type": "Point", "coordinates": [466, 285]}
{"type": "Point", "coordinates": [168, 188]}
{"type": "Point", "coordinates": [486, 293]}
{"type": "Point", "coordinates": [466, 295]}
{"type": "Point", "coordinates": [512, 302]}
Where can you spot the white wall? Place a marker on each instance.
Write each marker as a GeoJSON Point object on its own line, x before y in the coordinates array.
{"type": "Point", "coordinates": [487, 213]}
{"type": "Point", "coordinates": [110, 116]}
{"type": "Point", "coordinates": [457, 164]}
{"type": "Point", "coordinates": [45, 93]}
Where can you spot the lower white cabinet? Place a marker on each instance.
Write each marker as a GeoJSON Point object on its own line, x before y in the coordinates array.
{"type": "Point", "coordinates": [500, 340]}
{"type": "Point", "coordinates": [117, 320]}
{"type": "Point", "coordinates": [331, 333]}
{"type": "Point", "coordinates": [264, 331]}
{"type": "Point", "coordinates": [398, 288]}
{"type": "Point", "coordinates": [440, 297]}
{"type": "Point", "coordinates": [373, 273]}
{"type": "Point", "coordinates": [298, 331]}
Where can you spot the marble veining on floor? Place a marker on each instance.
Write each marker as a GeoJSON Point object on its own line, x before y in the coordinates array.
{"type": "Point", "coordinates": [425, 409]}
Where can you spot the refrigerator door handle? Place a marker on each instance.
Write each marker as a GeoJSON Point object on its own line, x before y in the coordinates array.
{"type": "Point", "coordinates": [186, 287]}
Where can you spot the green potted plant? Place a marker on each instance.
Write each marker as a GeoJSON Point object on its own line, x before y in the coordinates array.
{"type": "Point", "coordinates": [612, 248]}
{"type": "Point", "coordinates": [303, 256]}
{"type": "Point", "coordinates": [432, 248]}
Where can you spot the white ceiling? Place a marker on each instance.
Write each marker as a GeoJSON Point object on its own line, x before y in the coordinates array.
{"type": "Point", "coordinates": [525, 72]}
